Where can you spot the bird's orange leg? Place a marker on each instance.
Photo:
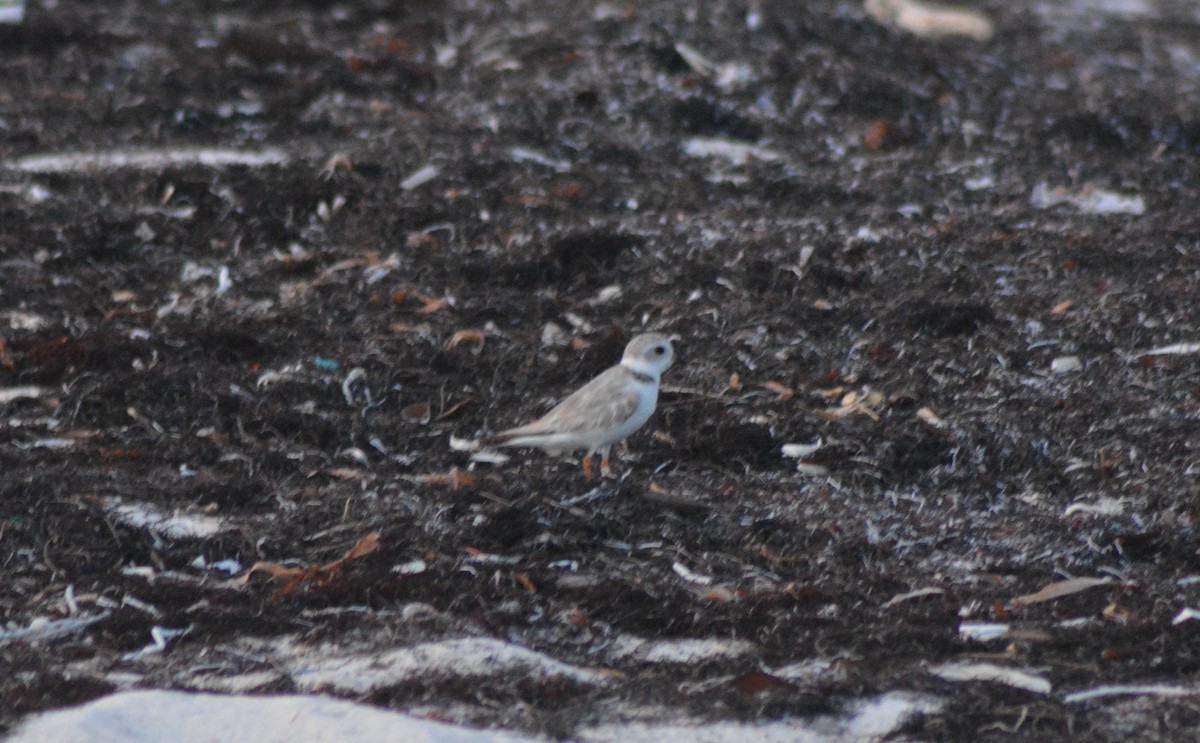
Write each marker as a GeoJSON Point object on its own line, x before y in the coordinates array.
{"type": "Point", "coordinates": [604, 469]}
{"type": "Point", "coordinates": [587, 467]}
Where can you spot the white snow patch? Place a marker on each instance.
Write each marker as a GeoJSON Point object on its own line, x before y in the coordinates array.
{"type": "Point", "coordinates": [213, 157]}
{"type": "Point", "coordinates": [233, 684]}
{"type": "Point", "coordinates": [679, 651]}
{"type": "Point", "coordinates": [868, 720]}
{"type": "Point", "coordinates": [360, 671]}
{"type": "Point", "coordinates": [180, 717]}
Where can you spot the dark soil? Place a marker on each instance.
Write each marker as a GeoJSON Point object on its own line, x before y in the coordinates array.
{"type": "Point", "coordinates": [850, 259]}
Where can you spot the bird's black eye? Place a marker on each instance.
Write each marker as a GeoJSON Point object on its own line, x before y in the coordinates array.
{"type": "Point", "coordinates": [660, 350]}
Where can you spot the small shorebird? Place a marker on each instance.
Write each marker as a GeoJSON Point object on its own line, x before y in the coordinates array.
{"type": "Point", "coordinates": [602, 412]}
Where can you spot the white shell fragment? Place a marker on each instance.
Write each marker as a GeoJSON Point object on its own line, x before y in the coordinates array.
{"type": "Point", "coordinates": [798, 451]}
{"type": "Point", "coordinates": [917, 594]}
{"type": "Point", "coordinates": [683, 572]}
{"type": "Point", "coordinates": [1065, 364]}
{"type": "Point", "coordinates": [737, 153]}
{"type": "Point", "coordinates": [1124, 690]}
{"type": "Point", "coordinates": [982, 631]}
{"type": "Point", "coordinates": [457, 444]}
{"type": "Point", "coordinates": [931, 21]}
{"type": "Point", "coordinates": [488, 456]}
{"type": "Point", "coordinates": [1171, 350]}
{"type": "Point", "coordinates": [992, 672]}
{"type": "Point", "coordinates": [420, 177]}
{"type": "Point", "coordinates": [1089, 200]}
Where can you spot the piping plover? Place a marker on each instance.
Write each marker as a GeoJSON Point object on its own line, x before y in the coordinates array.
{"type": "Point", "coordinates": [605, 410]}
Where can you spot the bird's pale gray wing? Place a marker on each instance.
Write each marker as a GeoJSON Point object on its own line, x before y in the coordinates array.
{"type": "Point", "coordinates": [600, 403]}
{"type": "Point", "coordinates": [601, 411]}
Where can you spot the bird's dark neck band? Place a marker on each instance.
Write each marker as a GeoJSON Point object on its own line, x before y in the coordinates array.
{"type": "Point", "coordinates": [642, 376]}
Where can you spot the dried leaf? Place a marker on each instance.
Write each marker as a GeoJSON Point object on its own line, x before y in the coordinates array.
{"type": "Point", "coordinates": [782, 392]}
{"type": "Point", "coordinates": [526, 582]}
{"type": "Point", "coordinates": [876, 135]}
{"type": "Point", "coordinates": [576, 617]}
{"type": "Point", "coordinates": [735, 382]}
{"type": "Point", "coordinates": [1061, 307]}
{"type": "Point", "coordinates": [463, 336]}
{"type": "Point", "coordinates": [338, 161]}
{"type": "Point", "coordinates": [719, 595]}
{"type": "Point", "coordinates": [454, 479]}
{"type": "Point", "coordinates": [429, 304]}
{"type": "Point", "coordinates": [313, 575]}
{"type": "Point", "coordinates": [399, 327]}
{"type": "Point", "coordinates": [1060, 589]}
{"type": "Point", "coordinates": [364, 546]}
{"type": "Point", "coordinates": [448, 412]}
{"type": "Point", "coordinates": [419, 412]}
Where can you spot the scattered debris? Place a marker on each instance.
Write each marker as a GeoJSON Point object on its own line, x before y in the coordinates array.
{"type": "Point", "coordinates": [43, 629]}
{"type": "Point", "coordinates": [159, 637]}
{"type": "Point", "coordinates": [865, 403]}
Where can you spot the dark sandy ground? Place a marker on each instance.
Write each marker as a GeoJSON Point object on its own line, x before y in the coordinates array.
{"type": "Point", "coordinates": [943, 260]}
